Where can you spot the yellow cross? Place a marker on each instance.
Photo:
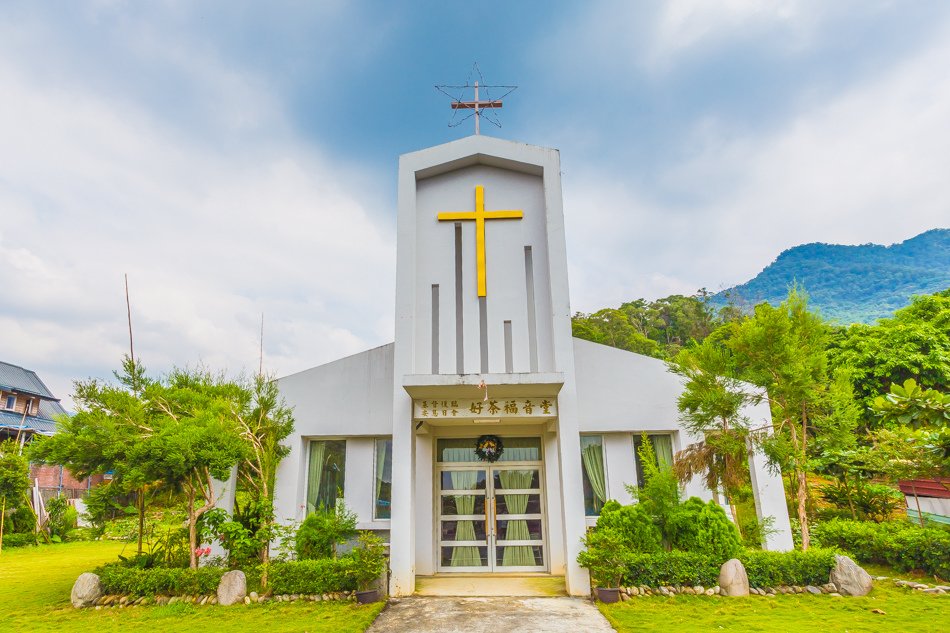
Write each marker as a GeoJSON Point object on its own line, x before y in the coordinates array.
{"type": "Point", "coordinates": [480, 215]}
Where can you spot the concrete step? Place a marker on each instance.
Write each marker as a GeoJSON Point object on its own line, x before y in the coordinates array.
{"type": "Point", "coordinates": [469, 585]}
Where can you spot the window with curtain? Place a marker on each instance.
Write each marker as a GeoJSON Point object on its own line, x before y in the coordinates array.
{"type": "Point", "coordinates": [384, 478]}
{"type": "Point", "coordinates": [662, 448]}
{"type": "Point", "coordinates": [326, 473]}
{"type": "Point", "coordinates": [593, 476]}
{"type": "Point", "coordinates": [517, 449]}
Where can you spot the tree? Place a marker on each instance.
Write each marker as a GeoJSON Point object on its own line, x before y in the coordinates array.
{"type": "Point", "coordinates": [264, 427]}
{"type": "Point", "coordinates": [782, 349]}
{"type": "Point", "coordinates": [14, 479]}
{"type": "Point", "coordinates": [196, 439]}
{"type": "Point", "coordinates": [711, 407]}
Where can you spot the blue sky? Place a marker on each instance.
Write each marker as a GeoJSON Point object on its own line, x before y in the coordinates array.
{"type": "Point", "coordinates": [236, 158]}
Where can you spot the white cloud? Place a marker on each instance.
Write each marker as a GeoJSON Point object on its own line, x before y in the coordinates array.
{"type": "Point", "coordinates": [211, 236]}
{"type": "Point", "coordinates": [868, 165]}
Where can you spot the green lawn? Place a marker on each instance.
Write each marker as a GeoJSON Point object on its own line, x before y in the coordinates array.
{"type": "Point", "coordinates": [904, 610]}
{"type": "Point", "coordinates": [34, 596]}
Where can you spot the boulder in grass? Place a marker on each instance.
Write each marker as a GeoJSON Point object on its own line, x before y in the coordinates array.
{"type": "Point", "coordinates": [850, 578]}
{"type": "Point", "coordinates": [86, 590]}
{"type": "Point", "coordinates": [733, 580]}
{"type": "Point", "coordinates": [233, 588]}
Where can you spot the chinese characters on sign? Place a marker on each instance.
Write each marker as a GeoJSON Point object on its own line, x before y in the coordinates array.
{"type": "Point", "coordinates": [499, 407]}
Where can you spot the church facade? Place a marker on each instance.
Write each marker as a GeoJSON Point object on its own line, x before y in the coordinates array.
{"type": "Point", "coordinates": [486, 438]}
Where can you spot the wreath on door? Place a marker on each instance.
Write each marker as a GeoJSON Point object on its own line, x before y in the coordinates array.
{"type": "Point", "coordinates": [488, 448]}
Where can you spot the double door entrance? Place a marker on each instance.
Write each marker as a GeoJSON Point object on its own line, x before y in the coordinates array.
{"type": "Point", "coordinates": [491, 516]}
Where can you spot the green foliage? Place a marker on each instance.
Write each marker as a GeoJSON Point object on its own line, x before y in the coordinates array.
{"type": "Point", "coordinates": [771, 569]}
{"type": "Point", "coordinates": [901, 544]}
{"type": "Point", "coordinates": [659, 328]}
{"type": "Point", "coordinates": [632, 524]}
{"type": "Point", "coordinates": [703, 528]}
{"type": "Point", "coordinates": [164, 546]}
{"type": "Point", "coordinates": [102, 504]}
{"type": "Point", "coordinates": [606, 554]}
{"type": "Point", "coordinates": [243, 545]}
{"type": "Point", "coordinates": [19, 540]}
{"type": "Point", "coordinates": [765, 569]}
{"type": "Point", "coordinates": [62, 518]}
{"type": "Point", "coordinates": [14, 474]}
{"type": "Point", "coordinates": [369, 560]}
{"type": "Point", "coordinates": [165, 581]}
{"type": "Point", "coordinates": [323, 531]}
{"type": "Point", "coordinates": [659, 497]}
{"type": "Point", "coordinates": [322, 575]}
{"type": "Point", "coordinates": [875, 502]}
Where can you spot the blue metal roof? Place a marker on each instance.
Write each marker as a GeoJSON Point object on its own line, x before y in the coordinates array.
{"type": "Point", "coordinates": [12, 420]}
{"type": "Point", "coordinates": [15, 378]}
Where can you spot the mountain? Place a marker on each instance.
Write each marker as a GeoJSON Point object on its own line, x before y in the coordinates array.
{"type": "Point", "coordinates": [852, 284]}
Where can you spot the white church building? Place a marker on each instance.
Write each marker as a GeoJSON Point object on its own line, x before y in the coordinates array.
{"type": "Point", "coordinates": [483, 349]}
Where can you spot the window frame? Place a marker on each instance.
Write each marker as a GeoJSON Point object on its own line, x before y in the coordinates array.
{"type": "Point", "coordinates": [376, 441]}
{"type": "Point", "coordinates": [585, 480]}
{"type": "Point", "coordinates": [342, 470]}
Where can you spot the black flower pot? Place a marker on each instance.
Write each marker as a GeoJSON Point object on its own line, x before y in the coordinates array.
{"type": "Point", "coordinates": [367, 597]}
{"type": "Point", "coordinates": [608, 596]}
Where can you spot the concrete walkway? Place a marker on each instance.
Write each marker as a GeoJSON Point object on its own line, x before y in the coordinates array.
{"type": "Point", "coordinates": [490, 615]}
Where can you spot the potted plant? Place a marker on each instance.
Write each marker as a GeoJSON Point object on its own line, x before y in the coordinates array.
{"type": "Point", "coordinates": [369, 562]}
{"type": "Point", "coordinates": [606, 556]}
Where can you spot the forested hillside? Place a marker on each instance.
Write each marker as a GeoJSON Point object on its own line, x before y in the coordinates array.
{"type": "Point", "coordinates": [852, 284]}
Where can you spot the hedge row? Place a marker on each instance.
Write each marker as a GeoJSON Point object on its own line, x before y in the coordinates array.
{"type": "Point", "coordinates": [765, 569]}
{"type": "Point", "coordinates": [19, 540]}
{"type": "Point", "coordinates": [166, 581]}
{"type": "Point", "coordinates": [900, 544]}
{"type": "Point", "coordinates": [325, 575]}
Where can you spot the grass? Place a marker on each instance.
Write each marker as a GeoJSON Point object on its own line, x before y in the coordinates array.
{"type": "Point", "coordinates": [904, 610]}
{"type": "Point", "coordinates": [35, 583]}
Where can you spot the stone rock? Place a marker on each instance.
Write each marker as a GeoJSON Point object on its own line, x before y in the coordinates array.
{"type": "Point", "coordinates": [850, 579]}
{"type": "Point", "coordinates": [86, 590]}
{"type": "Point", "coordinates": [829, 587]}
{"type": "Point", "coordinates": [232, 588]}
{"type": "Point", "coordinates": [699, 589]}
{"type": "Point", "coordinates": [254, 596]}
{"type": "Point", "coordinates": [710, 592]}
{"type": "Point", "coordinates": [813, 590]}
{"type": "Point", "coordinates": [732, 578]}
{"type": "Point", "coordinates": [936, 590]}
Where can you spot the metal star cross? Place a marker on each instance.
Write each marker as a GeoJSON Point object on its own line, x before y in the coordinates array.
{"type": "Point", "coordinates": [478, 107]}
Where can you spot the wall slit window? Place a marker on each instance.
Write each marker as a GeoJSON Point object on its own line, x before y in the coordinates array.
{"type": "Point", "coordinates": [326, 472]}
{"type": "Point", "coordinates": [383, 478]}
{"type": "Point", "coordinates": [662, 449]}
{"type": "Point", "coordinates": [594, 478]}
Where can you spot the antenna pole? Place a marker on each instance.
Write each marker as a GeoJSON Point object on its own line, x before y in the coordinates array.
{"type": "Point", "coordinates": [128, 310]}
{"type": "Point", "coordinates": [260, 365]}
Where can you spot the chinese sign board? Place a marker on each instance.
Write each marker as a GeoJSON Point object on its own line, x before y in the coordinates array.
{"type": "Point", "coordinates": [491, 408]}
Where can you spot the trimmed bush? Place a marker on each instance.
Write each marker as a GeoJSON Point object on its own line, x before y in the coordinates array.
{"type": "Point", "coordinates": [166, 581]}
{"type": "Point", "coordinates": [632, 525]}
{"type": "Point", "coordinates": [323, 575]}
{"type": "Point", "coordinates": [672, 568]}
{"type": "Point", "coordinates": [704, 528]}
{"type": "Point", "coordinates": [765, 569]}
{"type": "Point", "coordinates": [323, 531]}
{"type": "Point", "coordinates": [19, 540]}
{"type": "Point", "coordinates": [771, 569]}
{"type": "Point", "coordinates": [900, 544]}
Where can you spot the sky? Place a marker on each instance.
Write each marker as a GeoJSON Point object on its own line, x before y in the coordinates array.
{"type": "Point", "coordinates": [239, 158]}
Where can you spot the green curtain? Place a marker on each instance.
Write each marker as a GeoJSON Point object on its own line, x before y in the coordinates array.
{"type": "Point", "coordinates": [663, 447]}
{"type": "Point", "coordinates": [382, 449]}
{"type": "Point", "coordinates": [315, 474]}
{"type": "Point", "coordinates": [517, 530]}
{"type": "Point", "coordinates": [466, 555]}
{"type": "Point", "coordinates": [592, 456]}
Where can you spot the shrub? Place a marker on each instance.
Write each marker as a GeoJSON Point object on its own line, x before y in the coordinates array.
{"type": "Point", "coordinates": [323, 531]}
{"type": "Point", "coordinates": [876, 502]}
{"type": "Point", "coordinates": [704, 528]}
{"type": "Point", "coordinates": [771, 569]}
{"type": "Point", "coordinates": [62, 518]}
{"type": "Point", "coordinates": [607, 555]}
{"type": "Point", "coordinates": [19, 540]}
{"type": "Point", "coordinates": [168, 581]}
{"type": "Point", "coordinates": [900, 544]}
{"type": "Point", "coordinates": [312, 576]}
{"type": "Point", "coordinates": [369, 560]}
{"type": "Point", "coordinates": [632, 524]}
{"type": "Point", "coordinates": [672, 568]}
{"type": "Point", "coordinates": [765, 569]}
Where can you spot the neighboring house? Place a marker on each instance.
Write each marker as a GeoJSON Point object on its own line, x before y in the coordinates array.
{"type": "Point", "coordinates": [28, 408]}
{"type": "Point", "coordinates": [927, 497]}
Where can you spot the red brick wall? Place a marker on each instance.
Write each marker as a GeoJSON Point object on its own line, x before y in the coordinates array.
{"type": "Point", "coordinates": [49, 478]}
